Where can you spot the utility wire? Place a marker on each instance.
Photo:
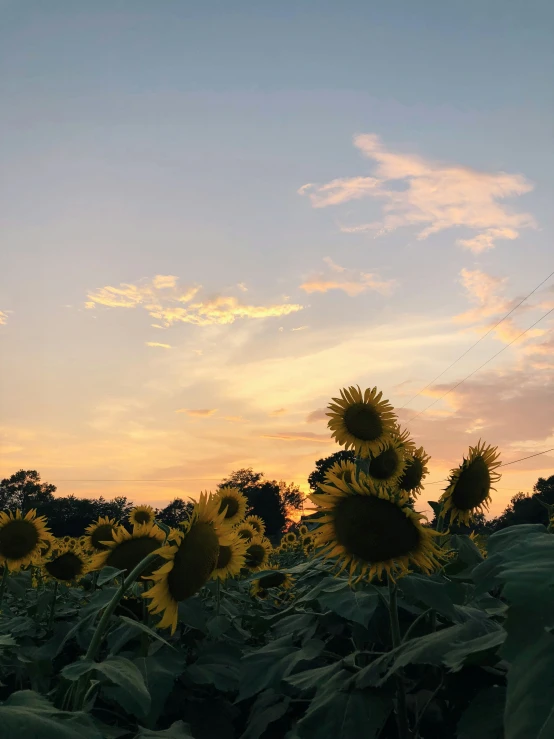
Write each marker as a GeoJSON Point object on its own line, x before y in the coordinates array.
{"type": "Point", "coordinates": [481, 366]}
{"type": "Point", "coordinates": [477, 342]}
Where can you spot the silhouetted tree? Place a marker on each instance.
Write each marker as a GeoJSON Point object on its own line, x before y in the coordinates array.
{"type": "Point", "coordinates": [528, 508]}
{"type": "Point", "coordinates": [174, 512]}
{"type": "Point", "coordinates": [25, 491]}
{"type": "Point", "coordinates": [317, 477]}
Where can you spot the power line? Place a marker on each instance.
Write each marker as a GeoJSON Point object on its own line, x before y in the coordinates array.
{"type": "Point", "coordinates": [477, 342]}
{"type": "Point", "coordinates": [481, 367]}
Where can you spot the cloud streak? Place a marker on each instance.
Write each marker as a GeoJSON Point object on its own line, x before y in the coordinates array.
{"type": "Point", "coordinates": [430, 196]}
{"type": "Point", "coordinates": [198, 412]}
{"type": "Point", "coordinates": [157, 344]}
{"type": "Point", "coordinates": [349, 280]}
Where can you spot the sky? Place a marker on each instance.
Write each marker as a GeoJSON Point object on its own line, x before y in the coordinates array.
{"type": "Point", "coordinates": [215, 215]}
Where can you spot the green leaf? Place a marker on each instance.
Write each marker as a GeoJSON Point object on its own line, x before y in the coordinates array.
{"type": "Point", "coordinates": [483, 718]}
{"type": "Point", "coordinates": [419, 589]}
{"type": "Point", "coordinates": [108, 573]}
{"type": "Point", "coordinates": [138, 626]}
{"type": "Point", "coordinates": [268, 707]}
{"type": "Point", "coordinates": [7, 640]}
{"type": "Point", "coordinates": [296, 623]}
{"type": "Point", "coordinates": [160, 671]}
{"type": "Point", "coordinates": [354, 605]}
{"type": "Point", "coordinates": [178, 730]}
{"type": "Point", "coordinates": [219, 665]}
{"type": "Point", "coordinates": [193, 614]}
{"type": "Point", "coordinates": [481, 650]}
{"type": "Point", "coordinates": [310, 680]}
{"type": "Point", "coordinates": [30, 715]}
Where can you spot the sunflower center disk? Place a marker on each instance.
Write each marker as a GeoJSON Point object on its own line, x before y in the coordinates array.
{"type": "Point", "coordinates": [129, 553]}
{"type": "Point", "coordinates": [143, 517]}
{"type": "Point", "coordinates": [412, 475]}
{"type": "Point", "coordinates": [273, 580]}
{"type": "Point", "coordinates": [384, 465]}
{"type": "Point", "coordinates": [255, 555]}
{"type": "Point", "coordinates": [101, 533]}
{"type": "Point", "coordinates": [18, 539]}
{"type": "Point", "coordinates": [363, 422]}
{"type": "Point", "coordinates": [232, 506]}
{"type": "Point", "coordinates": [194, 561]}
{"type": "Point", "coordinates": [373, 529]}
{"type": "Point", "coordinates": [473, 485]}
{"type": "Point", "coordinates": [66, 567]}
{"type": "Point", "coordinates": [224, 557]}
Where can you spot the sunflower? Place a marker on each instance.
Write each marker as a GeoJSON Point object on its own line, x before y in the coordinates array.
{"type": "Point", "coordinates": [303, 530]}
{"type": "Point", "coordinates": [257, 523]}
{"type": "Point", "coordinates": [361, 420]}
{"type": "Point", "coordinates": [22, 538]}
{"type": "Point", "coordinates": [257, 554]}
{"type": "Point", "coordinates": [233, 502]}
{"type": "Point", "coordinates": [411, 480]}
{"type": "Point", "coordinates": [290, 537]}
{"type": "Point", "coordinates": [308, 544]}
{"type": "Point", "coordinates": [98, 532]}
{"type": "Point", "coordinates": [276, 579]}
{"type": "Point", "coordinates": [230, 560]}
{"type": "Point", "coordinates": [246, 531]}
{"type": "Point", "coordinates": [370, 528]}
{"type": "Point", "coordinates": [191, 558]}
{"type": "Point", "coordinates": [344, 469]}
{"type": "Point", "coordinates": [403, 438]}
{"type": "Point", "coordinates": [469, 485]}
{"type": "Point", "coordinates": [65, 563]}
{"type": "Point", "coordinates": [142, 514]}
{"type": "Point", "coordinates": [387, 467]}
{"type": "Point", "coordinates": [127, 549]}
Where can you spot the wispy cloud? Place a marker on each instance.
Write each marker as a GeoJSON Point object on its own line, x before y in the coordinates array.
{"type": "Point", "coordinates": [300, 328]}
{"type": "Point", "coordinates": [234, 419]}
{"type": "Point", "coordinates": [278, 412]}
{"type": "Point", "coordinates": [351, 281]}
{"type": "Point", "coordinates": [430, 196]}
{"type": "Point", "coordinates": [299, 436]}
{"type": "Point", "coordinates": [3, 318]}
{"type": "Point", "coordinates": [169, 305]}
{"type": "Point", "coordinates": [200, 412]}
{"type": "Point", "coordinates": [318, 415]}
{"type": "Point", "coordinates": [157, 343]}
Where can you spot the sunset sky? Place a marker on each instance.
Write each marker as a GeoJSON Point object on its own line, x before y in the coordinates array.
{"type": "Point", "coordinates": [214, 215]}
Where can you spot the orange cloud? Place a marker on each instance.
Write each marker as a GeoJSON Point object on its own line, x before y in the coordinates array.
{"type": "Point", "coordinates": [431, 196]}
{"type": "Point", "coordinates": [351, 282]}
{"type": "Point", "coordinates": [156, 343]}
{"type": "Point", "coordinates": [299, 436]}
{"type": "Point", "coordinates": [203, 412]}
{"type": "Point", "coordinates": [278, 412]}
{"type": "Point", "coordinates": [3, 318]}
{"type": "Point", "coordinates": [318, 415]}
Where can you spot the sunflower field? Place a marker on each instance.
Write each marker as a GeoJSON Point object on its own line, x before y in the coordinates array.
{"type": "Point", "coordinates": [364, 621]}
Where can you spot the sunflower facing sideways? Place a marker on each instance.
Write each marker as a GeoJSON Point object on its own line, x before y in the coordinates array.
{"type": "Point", "coordinates": [233, 502]}
{"type": "Point", "coordinates": [372, 530]}
{"type": "Point", "coordinates": [469, 485]}
{"type": "Point", "coordinates": [276, 579]}
{"type": "Point", "coordinates": [246, 531]}
{"type": "Point", "coordinates": [257, 554]}
{"type": "Point", "coordinates": [361, 421]}
{"type": "Point", "coordinates": [65, 563]}
{"type": "Point", "coordinates": [98, 532]}
{"type": "Point", "coordinates": [257, 523]}
{"type": "Point", "coordinates": [344, 469]}
{"type": "Point", "coordinates": [192, 556]}
{"type": "Point", "coordinates": [126, 549]}
{"type": "Point", "coordinates": [142, 514]}
{"type": "Point", "coordinates": [23, 538]}
{"type": "Point", "coordinates": [411, 480]}
{"type": "Point", "coordinates": [387, 467]}
{"type": "Point", "coordinates": [230, 559]}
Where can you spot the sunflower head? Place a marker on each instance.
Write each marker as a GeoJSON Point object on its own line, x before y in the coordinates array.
{"type": "Point", "coordinates": [257, 524]}
{"type": "Point", "coordinates": [303, 530]}
{"type": "Point", "coordinates": [361, 421]}
{"type": "Point", "coordinates": [191, 559]}
{"type": "Point", "coordinates": [276, 579]}
{"type": "Point", "coordinates": [290, 537]}
{"type": "Point", "coordinates": [99, 532]}
{"type": "Point", "coordinates": [246, 531]}
{"type": "Point", "coordinates": [370, 529]}
{"type": "Point", "coordinates": [257, 554]}
{"type": "Point", "coordinates": [66, 563]}
{"type": "Point", "coordinates": [411, 480]}
{"type": "Point", "coordinates": [128, 548]}
{"type": "Point", "coordinates": [22, 539]}
{"type": "Point", "coordinates": [308, 544]}
{"type": "Point", "coordinates": [403, 439]}
{"type": "Point", "coordinates": [230, 560]}
{"type": "Point", "coordinates": [232, 502]}
{"type": "Point", "coordinates": [469, 485]}
{"type": "Point", "coordinates": [142, 515]}
{"type": "Point", "coordinates": [386, 467]}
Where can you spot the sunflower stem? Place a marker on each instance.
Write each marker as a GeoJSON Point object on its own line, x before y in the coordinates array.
{"type": "Point", "coordinates": [52, 607]}
{"type": "Point", "coordinates": [217, 596]}
{"type": "Point", "coordinates": [3, 583]}
{"type": "Point", "coordinates": [401, 713]}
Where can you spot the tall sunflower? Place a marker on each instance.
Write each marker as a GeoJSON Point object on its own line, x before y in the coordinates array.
{"type": "Point", "coordinates": [257, 523]}
{"type": "Point", "coordinates": [469, 485]}
{"type": "Point", "coordinates": [404, 439]}
{"type": "Point", "coordinates": [22, 539]}
{"type": "Point", "coordinates": [257, 554]}
{"type": "Point", "coordinates": [232, 502]}
{"type": "Point", "coordinates": [246, 531]}
{"type": "Point", "coordinates": [344, 469]}
{"type": "Point", "coordinates": [65, 563]}
{"type": "Point", "coordinates": [142, 514]}
{"type": "Point", "coordinates": [371, 529]}
{"type": "Point", "coordinates": [411, 480]}
{"type": "Point", "coordinates": [386, 467]}
{"type": "Point", "coordinates": [191, 558]}
{"type": "Point", "coordinates": [230, 559]}
{"type": "Point", "coordinates": [100, 531]}
{"type": "Point", "coordinates": [276, 579]}
{"type": "Point", "coordinates": [361, 421]}
{"type": "Point", "coordinates": [126, 549]}
{"type": "Point", "coordinates": [302, 530]}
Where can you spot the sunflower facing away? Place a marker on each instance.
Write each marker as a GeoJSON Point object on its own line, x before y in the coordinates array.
{"type": "Point", "coordinates": [361, 421]}
{"type": "Point", "coordinates": [370, 529]}
{"type": "Point", "coordinates": [191, 558]}
{"type": "Point", "coordinates": [469, 485]}
{"type": "Point", "coordinates": [411, 480]}
{"type": "Point", "coordinates": [142, 514]}
{"type": "Point", "coordinates": [387, 467]}
{"type": "Point", "coordinates": [233, 502]}
{"type": "Point", "coordinates": [22, 539]}
{"type": "Point", "coordinates": [277, 579]}
{"type": "Point", "coordinates": [257, 523]}
{"type": "Point", "coordinates": [230, 559]}
{"type": "Point", "coordinates": [65, 563]}
{"type": "Point", "coordinates": [246, 531]}
{"type": "Point", "coordinates": [257, 554]}
{"type": "Point", "coordinates": [126, 549]}
{"type": "Point", "coordinates": [99, 531]}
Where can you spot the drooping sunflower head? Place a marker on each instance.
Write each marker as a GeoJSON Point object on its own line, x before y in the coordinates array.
{"type": "Point", "coordinates": [22, 538]}
{"type": "Point", "coordinates": [191, 558]}
{"type": "Point", "coordinates": [372, 530]}
{"type": "Point", "coordinates": [230, 559]}
{"type": "Point", "coordinates": [128, 548]}
{"type": "Point", "coordinates": [233, 503]}
{"type": "Point", "coordinates": [361, 421]}
{"type": "Point", "coordinates": [469, 485]}
{"type": "Point", "coordinates": [411, 480]}
{"type": "Point", "coordinates": [302, 530]}
{"type": "Point", "coordinates": [257, 523]}
{"type": "Point", "coordinates": [246, 531]}
{"type": "Point", "coordinates": [142, 514]}
{"type": "Point", "coordinates": [66, 563]}
{"type": "Point", "coordinates": [276, 579]}
{"type": "Point", "coordinates": [100, 531]}
{"type": "Point", "coordinates": [257, 554]}
{"type": "Point", "coordinates": [386, 467]}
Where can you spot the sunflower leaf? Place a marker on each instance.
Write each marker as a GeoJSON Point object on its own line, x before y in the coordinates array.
{"type": "Point", "coordinates": [483, 718]}
{"type": "Point", "coordinates": [108, 573]}
{"type": "Point", "coordinates": [268, 707]}
{"type": "Point", "coordinates": [178, 730]}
